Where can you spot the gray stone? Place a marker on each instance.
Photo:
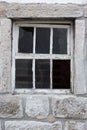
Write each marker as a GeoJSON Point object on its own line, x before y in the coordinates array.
{"type": "Point", "coordinates": [2, 9]}
{"type": "Point", "coordinates": [80, 58]}
{"type": "Point", "coordinates": [10, 107]}
{"type": "Point", "coordinates": [69, 107]}
{"type": "Point", "coordinates": [85, 11]}
{"type": "Point", "coordinates": [5, 55]}
{"type": "Point", "coordinates": [0, 126]}
{"type": "Point", "coordinates": [37, 106]}
{"type": "Point", "coordinates": [57, 126]}
{"type": "Point", "coordinates": [86, 50]}
{"type": "Point", "coordinates": [75, 125]}
{"type": "Point", "coordinates": [32, 125]}
{"type": "Point", "coordinates": [86, 27]}
{"type": "Point", "coordinates": [43, 11]}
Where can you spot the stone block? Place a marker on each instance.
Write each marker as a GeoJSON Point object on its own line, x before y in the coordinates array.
{"type": "Point", "coordinates": [69, 107]}
{"type": "Point", "coordinates": [37, 106]}
{"type": "Point", "coordinates": [44, 11]}
{"type": "Point", "coordinates": [85, 11]}
{"type": "Point", "coordinates": [10, 107]}
{"type": "Point", "coordinates": [2, 9]}
{"type": "Point", "coordinates": [80, 58]}
{"type": "Point", "coordinates": [75, 125]}
{"type": "Point", "coordinates": [5, 55]}
{"type": "Point", "coordinates": [32, 125]}
{"type": "Point", "coordinates": [0, 126]}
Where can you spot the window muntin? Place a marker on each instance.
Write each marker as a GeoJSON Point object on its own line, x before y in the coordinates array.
{"type": "Point", "coordinates": [49, 55]}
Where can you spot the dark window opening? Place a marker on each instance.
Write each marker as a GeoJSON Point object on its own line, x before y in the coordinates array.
{"type": "Point", "coordinates": [42, 74]}
{"type": "Point", "coordinates": [59, 41]}
{"type": "Point", "coordinates": [25, 39]}
{"type": "Point", "coordinates": [42, 40]}
{"type": "Point", "coordinates": [61, 74]}
{"type": "Point", "coordinates": [24, 74]}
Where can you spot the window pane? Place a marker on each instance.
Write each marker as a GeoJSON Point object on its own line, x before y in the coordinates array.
{"type": "Point", "coordinates": [42, 74]}
{"type": "Point", "coordinates": [42, 40]}
{"type": "Point", "coordinates": [59, 41]}
{"type": "Point", "coordinates": [61, 74]}
{"type": "Point", "coordinates": [25, 39]}
{"type": "Point", "coordinates": [24, 73]}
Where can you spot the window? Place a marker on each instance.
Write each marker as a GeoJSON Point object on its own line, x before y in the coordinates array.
{"type": "Point", "coordinates": [42, 56]}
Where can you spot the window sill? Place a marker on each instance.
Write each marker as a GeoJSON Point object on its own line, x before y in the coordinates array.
{"type": "Point", "coordinates": [43, 91]}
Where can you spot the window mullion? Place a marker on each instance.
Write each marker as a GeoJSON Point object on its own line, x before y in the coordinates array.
{"type": "Point", "coordinates": [68, 41]}
{"type": "Point", "coordinates": [51, 46]}
{"type": "Point", "coordinates": [33, 67]}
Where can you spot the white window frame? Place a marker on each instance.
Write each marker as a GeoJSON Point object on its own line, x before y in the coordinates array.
{"type": "Point", "coordinates": [16, 55]}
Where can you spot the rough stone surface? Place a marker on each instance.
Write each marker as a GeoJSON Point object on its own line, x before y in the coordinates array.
{"type": "Point", "coordinates": [37, 106]}
{"type": "Point", "coordinates": [86, 50]}
{"type": "Point", "coordinates": [85, 11]}
{"type": "Point", "coordinates": [10, 107]}
{"type": "Point", "coordinates": [69, 107]}
{"type": "Point", "coordinates": [43, 11]}
{"type": "Point", "coordinates": [32, 125]}
{"type": "Point", "coordinates": [2, 9]}
{"type": "Point", "coordinates": [0, 126]}
{"type": "Point", "coordinates": [5, 55]}
{"type": "Point", "coordinates": [75, 125]}
{"type": "Point", "coordinates": [80, 58]}
{"type": "Point", "coordinates": [48, 1]}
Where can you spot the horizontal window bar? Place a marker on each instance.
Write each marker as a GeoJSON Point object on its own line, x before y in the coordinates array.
{"type": "Point", "coordinates": [41, 56]}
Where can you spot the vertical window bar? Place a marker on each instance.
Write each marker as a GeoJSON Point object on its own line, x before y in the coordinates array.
{"type": "Point", "coordinates": [33, 67]}
{"type": "Point", "coordinates": [51, 47]}
{"type": "Point", "coordinates": [72, 60]}
{"type": "Point", "coordinates": [68, 41]}
{"type": "Point", "coordinates": [15, 50]}
{"type": "Point", "coordinates": [16, 39]}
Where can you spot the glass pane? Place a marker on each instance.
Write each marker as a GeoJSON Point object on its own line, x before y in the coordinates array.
{"type": "Point", "coordinates": [42, 74]}
{"type": "Point", "coordinates": [24, 73]}
{"type": "Point", "coordinates": [61, 74]}
{"type": "Point", "coordinates": [42, 40]}
{"type": "Point", "coordinates": [59, 41]}
{"type": "Point", "coordinates": [25, 40]}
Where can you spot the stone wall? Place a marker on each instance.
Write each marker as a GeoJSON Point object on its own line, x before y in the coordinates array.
{"type": "Point", "coordinates": [47, 1]}
{"type": "Point", "coordinates": [42, 111]}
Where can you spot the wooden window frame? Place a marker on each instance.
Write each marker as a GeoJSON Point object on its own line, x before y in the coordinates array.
{"type": "Point", "coordinates": [16, 55]}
